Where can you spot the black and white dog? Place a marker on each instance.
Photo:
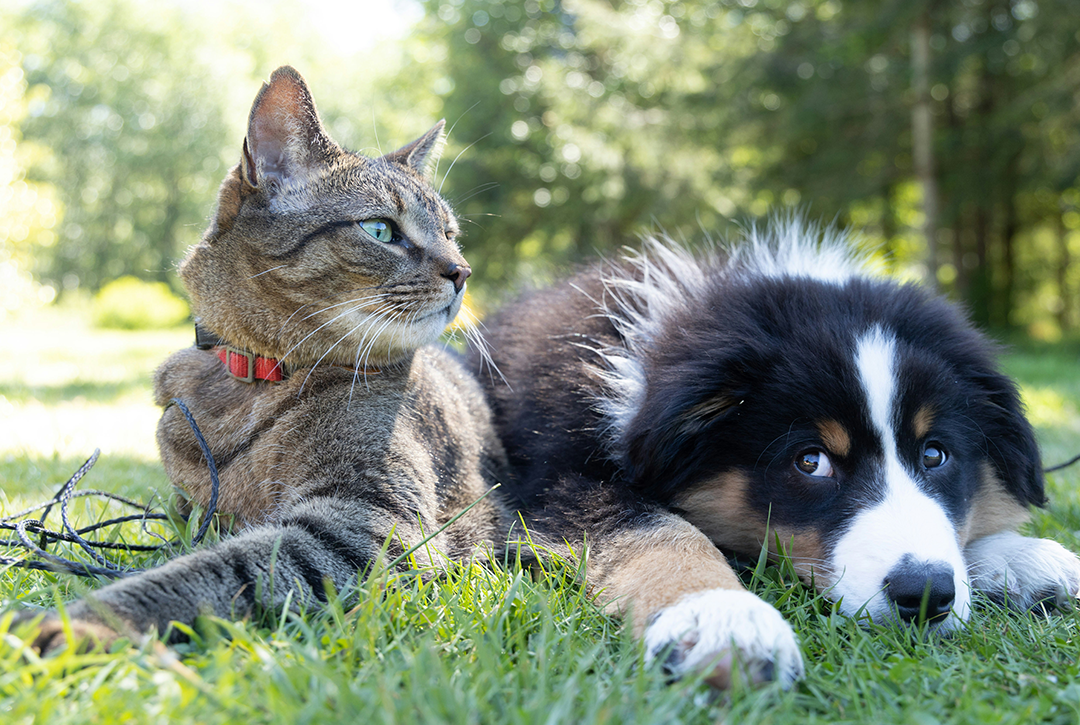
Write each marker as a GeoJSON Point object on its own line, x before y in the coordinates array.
{"type": "Point", "coordinates": [669, 407]}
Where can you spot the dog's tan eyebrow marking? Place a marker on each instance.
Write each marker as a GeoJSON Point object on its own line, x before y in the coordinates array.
{"type": "Point", "coordinates": [924, 418]}
{"type": "Point", "coordinates": [835, 437]}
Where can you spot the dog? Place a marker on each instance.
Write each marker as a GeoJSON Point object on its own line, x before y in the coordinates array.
{"type": "Point", "coordinates": [669, 408]}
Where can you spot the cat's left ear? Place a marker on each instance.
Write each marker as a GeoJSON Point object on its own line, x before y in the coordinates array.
{"type": "Point", "coordinates": [285, 138]}
{"type": "Point", "coordinates": [421, 154]}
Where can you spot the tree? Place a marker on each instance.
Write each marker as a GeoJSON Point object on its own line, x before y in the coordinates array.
{"type": "Point", "coordinates": [134, 122]}
{"type": "Point", "coordinates": [28, 212]}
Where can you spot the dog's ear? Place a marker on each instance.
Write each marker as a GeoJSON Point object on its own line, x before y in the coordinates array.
{"type": "Point", "coordinates": [1010, 439]}
{"type": "Point", "coordinates": [669, 437]}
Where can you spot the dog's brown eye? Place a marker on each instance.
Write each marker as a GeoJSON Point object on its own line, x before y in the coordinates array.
{"type": "Point", "coordinates": [814, 463]}
{"type": "Point", "coordinates": [933, 456]}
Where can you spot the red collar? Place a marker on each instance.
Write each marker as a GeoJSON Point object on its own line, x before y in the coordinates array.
{"type": "Point", "coordinates": [241, 364]}
{"type": "Point", "coordinates": [248, 366]}
{"type": "Point", "coordinates": [245, 365]}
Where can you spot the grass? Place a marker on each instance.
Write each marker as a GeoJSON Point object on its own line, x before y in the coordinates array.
{"type": "Point", "coordinates": [477, 646]}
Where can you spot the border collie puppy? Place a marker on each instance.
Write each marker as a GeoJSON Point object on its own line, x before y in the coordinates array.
{"type": "Point", "coordinates": [669, 409]}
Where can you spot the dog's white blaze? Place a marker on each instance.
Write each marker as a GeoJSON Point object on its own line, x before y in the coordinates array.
{"type": "Point", "coordinates": [905, 522]}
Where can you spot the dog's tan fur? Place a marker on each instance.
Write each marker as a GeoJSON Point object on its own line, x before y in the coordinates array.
{"type": "Point", "coordinates": [644, 571]}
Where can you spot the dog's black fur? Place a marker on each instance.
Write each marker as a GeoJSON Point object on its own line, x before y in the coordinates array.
{"type": "Point", "coordinates": [663, 390]}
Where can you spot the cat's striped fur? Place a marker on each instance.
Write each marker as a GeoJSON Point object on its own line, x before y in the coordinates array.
{"type": "Point", "coordinates": [372, 440]}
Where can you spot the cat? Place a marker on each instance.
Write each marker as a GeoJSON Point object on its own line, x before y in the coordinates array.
{"type": "Point", "coordinates": [339, 433]}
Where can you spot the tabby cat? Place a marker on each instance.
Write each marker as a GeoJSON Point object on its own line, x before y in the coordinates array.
{"type": "Point", "coordinates": [323, 276]}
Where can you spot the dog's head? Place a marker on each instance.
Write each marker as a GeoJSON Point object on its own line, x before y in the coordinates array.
{"type": "Point", "coordinates": [858, 424]}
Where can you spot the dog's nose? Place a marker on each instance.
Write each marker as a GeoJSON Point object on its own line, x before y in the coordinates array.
{"type": "Point", "coordinates": [912, 583]}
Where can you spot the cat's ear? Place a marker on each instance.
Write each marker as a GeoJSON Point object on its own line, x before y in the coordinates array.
{"type": "Point", "coordinates": [285, 138]}
{"type": "Point", "coordinates": [421, 154]}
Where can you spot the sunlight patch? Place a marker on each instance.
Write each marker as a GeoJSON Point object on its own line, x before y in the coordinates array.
{"type": "Point", "coordinates": [1048, 408]}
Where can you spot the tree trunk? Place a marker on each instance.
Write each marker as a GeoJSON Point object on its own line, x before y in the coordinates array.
{"type": "Point", "coordinates": [1064, 312]}
{"type": "Point", "coordinates": [982, 281]}
{"type": "Point", "coordinates": [922, 139]}
{"type": "Point", "coordinates": [1010, 226]}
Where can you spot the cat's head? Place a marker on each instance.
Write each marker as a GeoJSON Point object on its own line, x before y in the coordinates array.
{"type": "Point", "coordinates": [316, 253]}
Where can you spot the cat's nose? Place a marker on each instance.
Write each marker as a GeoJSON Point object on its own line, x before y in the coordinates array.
{"type": "Point", "coordinates": [458, 273]}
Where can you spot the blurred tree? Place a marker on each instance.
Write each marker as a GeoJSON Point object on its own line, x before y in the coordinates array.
{"type": "Point", "coordinates": [588, 124]}
{"type": "Point", "coordinates": [28, 212]}
{"type": "Point", "coordinates": [578, 124]}
{"type": "Point", "coordinates": [132, 115]}
{"type": "Point", "coordinates": [1002, 81]}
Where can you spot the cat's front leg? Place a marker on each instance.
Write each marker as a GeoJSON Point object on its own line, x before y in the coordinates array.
{"type": "Point", "coordinates": [50, 632]}
{"type": "Point", "coordinates": [322, 540]}
{"type": "Point", "coordinates": [1022, 572]}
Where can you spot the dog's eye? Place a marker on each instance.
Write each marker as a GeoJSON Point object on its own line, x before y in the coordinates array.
{"type": "Point", "coordinates": [814, 463]}
{"type": "Point", "coordinates": [934, 456]}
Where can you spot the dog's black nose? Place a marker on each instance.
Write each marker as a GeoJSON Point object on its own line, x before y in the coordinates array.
{"type": "Point", "coordinates": [921, 588]}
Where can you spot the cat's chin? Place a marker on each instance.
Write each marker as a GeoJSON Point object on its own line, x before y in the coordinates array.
{"type": "Point", "coordinates": [397, 340]}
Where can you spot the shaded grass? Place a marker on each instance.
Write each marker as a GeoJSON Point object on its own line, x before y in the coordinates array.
{"type": "Point", "coordinates": [503, 646]}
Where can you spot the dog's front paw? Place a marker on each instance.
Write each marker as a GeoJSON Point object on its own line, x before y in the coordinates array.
{"type": "Point", "coordinates": [721, 630]}
{"type": "Point", "coordinates": [1023, 572]}
{"type": "Point", "coordinates": [49, 634]}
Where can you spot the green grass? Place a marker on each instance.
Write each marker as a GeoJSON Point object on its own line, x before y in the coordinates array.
{"type": "Point", "coordinates": [477, 646]}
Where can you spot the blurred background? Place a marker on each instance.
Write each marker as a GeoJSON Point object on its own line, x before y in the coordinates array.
{"type": "Point", "coordinates": [946, 133]}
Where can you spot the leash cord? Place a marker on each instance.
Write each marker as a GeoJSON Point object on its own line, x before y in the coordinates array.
{"type": "Point", "coordinates": [25, 527]}
{"type": "Point", "coordinates": [1060, 466]}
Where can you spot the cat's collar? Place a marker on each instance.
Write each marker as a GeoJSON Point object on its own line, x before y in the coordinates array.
{"type": "Point", "coordinates": [241, 364]}
{"type": "Point", "coordinates": [245, 365]}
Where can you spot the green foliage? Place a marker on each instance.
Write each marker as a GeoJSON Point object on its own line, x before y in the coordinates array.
{"type": "Point", "coordinates": [136, 153]}
{"type": "Point", "coordinates": [128, 303]}
{"type": "Point", "coordinates": [577, 125]}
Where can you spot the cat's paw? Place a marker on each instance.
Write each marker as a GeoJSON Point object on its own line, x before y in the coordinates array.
{"type": "Point", "coordinates": [47, 634]}
{"type": "Point", "coordinates": [1023, 572]}
{"type": "Point", "coordinates": [720, 630]}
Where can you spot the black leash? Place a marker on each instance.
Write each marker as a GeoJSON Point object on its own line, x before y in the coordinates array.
{"type": "Point", "coordinates": [27, 528]}
{"type": "Point", "coordinates": [1058, 467]}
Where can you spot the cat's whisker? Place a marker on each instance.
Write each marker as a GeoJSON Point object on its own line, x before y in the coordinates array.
{"type": "Point", "coordinates": [334, 319]}
{"type": "Point", "coordinates": [375, 128]}
{"type": "Point", "coordinates": [309, 304]}
{"type": "Point", "coordinates": [476, 338]}
{"type": "Point", "coordinates": [289, 318]}
{"type": "Point", "coordinates": [370, 345]}
{"type": "Point", "coordinates": [381, 295]}
{"type": "Point", "coordinates": [363, 351]}
{"type": "Point", "coordinates": [266, 271]}
{"type": "Point", "coordinates": [447, 136]}
{"type": "Point", "coordinates": [458, 157]}
{"type": "Point", "coordinates": [479, 213]}
{"type": "Point", "coordinates": [361, 345]}
{"type": "Point", "coordinates": [316, 330]}
{"type": "Point", "coordinates": [487, 186]}
{"type": "Point", "coordinates": [376, 313]}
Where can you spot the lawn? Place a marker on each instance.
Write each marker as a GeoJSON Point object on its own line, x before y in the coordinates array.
{"type": "Point", "coordinates": [478, 646]}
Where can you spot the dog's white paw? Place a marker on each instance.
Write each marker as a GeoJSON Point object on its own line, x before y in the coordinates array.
{"type": "Point", "coordinates": [720, 630]}
{"type": "Point", "coordinates": [1022, 572]}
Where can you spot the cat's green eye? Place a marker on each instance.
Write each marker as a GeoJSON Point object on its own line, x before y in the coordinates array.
{"type": "Point", "coordinates": [379, 229]}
